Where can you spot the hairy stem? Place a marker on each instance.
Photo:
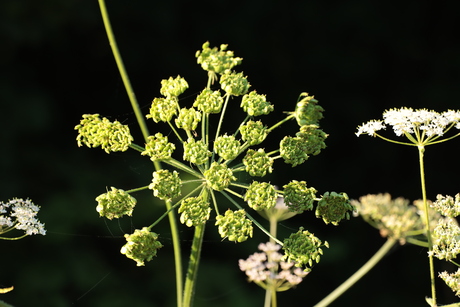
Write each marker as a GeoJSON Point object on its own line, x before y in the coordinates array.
{"type": "Point", "coordinates": [358, 274]}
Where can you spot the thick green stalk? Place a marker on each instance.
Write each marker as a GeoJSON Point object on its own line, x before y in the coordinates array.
{"type": "Point", "coordinates": [190, 280]}
{"type": "Point", "coordinates": [145, 133]}
{"type": "Point", "coordinates": [421, 150]}
{"type": "Point", "coordinates": [358, 274]}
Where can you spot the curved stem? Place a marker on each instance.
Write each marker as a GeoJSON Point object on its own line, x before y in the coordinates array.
{"type": "Point", "coordinates": [358, 274]}
{"type": "Point", "coordinates": [421, 151]}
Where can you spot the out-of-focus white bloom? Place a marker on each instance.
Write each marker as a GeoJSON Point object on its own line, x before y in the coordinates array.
{"type": "Point", "coordinates": [20, 214]}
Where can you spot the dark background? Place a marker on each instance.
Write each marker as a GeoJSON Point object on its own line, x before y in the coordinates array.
{"type": "Point", "coordinates": [357, 57]}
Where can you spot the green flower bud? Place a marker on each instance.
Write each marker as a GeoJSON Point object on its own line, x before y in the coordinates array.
{"type": "Point", "coordinates": [163, 109]}
{"type": "Point", "coordinates": [217, 61]}
{"type": "Point", "coordinates": [141, 246]}
{"type": "Point", "coordinates": [196, 151]}
{"type": "Point", "coordinates": [234, 83]}
{"type": "Point", "coordinates": [209, 101]}
{"type": "Point", "coordinates": [115, 204]}
{"type": "Point", "coordinates": [219, 176]}
{"type": "Point", "coordinates": [446, 239]}
{"type": "Point", "coordinates": [173, 87]}
{"type": "Point", "coordinates": [255, 104]}
{"type": "Point", "coordinates": [303, 248]}
{"type": "Point", "coordinates": [333, 207]}
{"type": "Point", "coordinates": [227, 147]}
{"type": "Point", "coordinates": [307, 111]}
{"type": "Point", "coordinates": [313, 139]}
{"type": "Point", "coordinates": [94, 132]}
{"type": "Point", "coordinates": [257, 163]}
{"type": "Point", "coordinates": [188, 119]}
{"type": "Point", "coordinates": [158, 147]}
{"type": "Point", "coordinates": [195, 211]}
{"type": "Point", "coordinates": [292, 149]}
{"type": "Point", "coordinates": [253, 132]}
{"type": "Point", "coordinates": [234, 226]}
{"type": "Point", "coordinates": [261, 196]}
{"type": "Point", "coordinates": [298, 197]}
{"type": "Point", "coordinates": [166, 185]}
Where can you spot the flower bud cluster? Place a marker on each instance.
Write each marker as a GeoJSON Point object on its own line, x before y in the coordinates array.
{"type": "Point", "coordinates": [267, 269]}
{"type": "Point", "coordinates": [227, 147]}
{"type": "Point", "coordinates": [188, 119]}
{"type": "Point", "coordinates": [163, 109]}
{"type": "Point", "coordinates": [115, 204]}
{"type": "Point", "coordinates": [446, 239]}
{"type": "Point", "coordinates": [257, 163]}
{"type": "Point", "coordinates": [447, 205]}
{"type": "Point", "coordinates": [303, 248]}
{"type": "Point", "coordinates": [334, 207]}
{"type": "Point", "coordinates": [209, 101]}
{"type": "Point", "coordinates": [215, 60]}
{"type": "Point", "coordinates": [307, 111]}
{"type": "Point", "coordinates": [141, 246]}
{"type": "Point", "coordinates": [253, 132]}
{"type": "Point", "coordinates": [111, 136]}
{"type": "Point", "coordinates": [255, 104]}
{"type": "Point", "coordinates": [234, 225]}
{"type": "Point", "coordinates": [298, 197]}
{"type": "Point", "coordinates": [452, 280]}
{"type": "Point", "coordinates": [165, 184]}
{"type": "Point", "coordinates": [196, 151]}
{"type": "Point", "coordinates": [261, 196]}
{"type": "Point", "coordinates": [219, 176]}
{"type": "Point", "coordinates": [234, 84]}
{"type": "Point", "coordinates": [158, 147]}
{"type": "Point", "coordinates": [20, 214]}
{"type": "Point", "coordinates": [195, 211]}
{"type": "Point", "coordinates": [173, 87]}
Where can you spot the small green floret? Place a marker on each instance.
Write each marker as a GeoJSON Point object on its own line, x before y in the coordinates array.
{"type": "Point", "coordinates": [219, 176]}
{"type": "Point", "coordinates": [298, 197]}
{"type": "Point", "coordinates": [215, 60]}
{"type": "Point", "coordinates": [307, 111]}
{"type": "Point", "coordinates": [209, 101]}
{"type": "Point", "coordinates": [158, 147]}
{"type": "Point", "coordinates": [253, 132]}
{"type": "Point", "coordinates": [234, 84]}
{"type": "Point", "coordinates": [141, 246]}
{"type": "Point", "coordinates": [234, 225]}
{"type": "Point", "coordinates": [261, 196]}
{"type": "Point", "coordinates": [166, 185]}
{"type": "Point", "coordinates": [334, 207]}
{"type": "Point", "coordinates": [257, 163]}
{"type": "Point", "coordinates": [173, 87]}
{"type": "Point", "coordinates": [195, 211]}
{"type": "Point", "coordinates": [196, 151]}
{"type": "Point", "coordinates": [227, 147]}
{"type": "Point", "coordinates": [255, 104]}
{"type": "Point", "coordinates": [188, 119]}
{"type": "Point", "coordinates": [115, 204]}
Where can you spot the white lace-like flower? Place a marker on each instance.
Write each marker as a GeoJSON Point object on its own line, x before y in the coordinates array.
{"type": "Point", "coordinates": [267, 268]}
{"type": "Point", "coordinates": [22, 216]}
{"type": "Point", "coordinates": [409, 121]}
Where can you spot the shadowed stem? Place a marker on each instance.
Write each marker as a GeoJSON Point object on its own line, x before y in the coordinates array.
{"type": "Point", "coordinates": [190, 280]}
{"type": "Point", "coordinates": [358, 274]}
{"type": "Point", "coordinates": [145, 133]}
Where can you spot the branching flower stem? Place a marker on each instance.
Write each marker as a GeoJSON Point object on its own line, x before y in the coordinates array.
{"type": "Point", "coordinates": [358, 274]}
{"type": "Point", "coordinates": [145, 133]}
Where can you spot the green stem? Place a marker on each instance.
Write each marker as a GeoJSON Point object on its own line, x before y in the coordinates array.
{"type": "Point", "coordinates": [358, 274]}
{"type": "Point", "coordinates": [190, 281]}
{"type": "Point", "coordinates": [421, 151]}
{"type": "Point", "coordinates": [145, 133]}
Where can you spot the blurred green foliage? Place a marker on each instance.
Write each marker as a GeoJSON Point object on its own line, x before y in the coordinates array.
{"type": "Point", "coordinates": [357, 57]}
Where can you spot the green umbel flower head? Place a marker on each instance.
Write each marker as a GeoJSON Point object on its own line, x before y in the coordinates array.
{"type": "Point", "coordinates": [255, 104]}
{"type": "Point", "coordinates": [115, 204]}
{"type": "Point", "coordinates": [234, 84]}
{"type": "Point", "coordinates": [163, 109]}
{"type": "Point", "coordinates": [195, 211]}
{"type": "Point", "coordinates": [141, 246]}
{"type": "Point", "coordinates": [298, 197]}
{"type": "Point", "coordinates": [188, 119]}
{"type": "Point", "coordinates": [216, 61]}
{"type": "Point", "coordinates": [173, 87]}
{"type": "Point", "coordinates": [253, 132]}
{"type": "Point", "coordinates": [452, 280]}
{"type": "Point", "coordinates": [234, 225]}
{"type": "Point", "coordinates": [261, 196]}
{"type": "Point", "coordinates": [196, 151]}
{"type": "Point", "coordinates": [227, 147]}
{"type": "Point", "coordinates": [293, 150]}
{"type": "Point", "coordinates": [166, 185]}
{"type": "Point", "coordinates": [446, 239]}
{"type": "Point", "coordinates": [209, 101]}
{"type": "Point", "coordinates": [111, 136]}
{"type": "Point", "coordinates": [334, 207]}
{"type": "Point", "coordinates": [158, 147]}
{"type": "Point", "coordinates": [257, 163]}
{"type": "Point", "coordinates": [313, 138]}
{"type": "Point", "coordinates": [307, 111]}
{"type": "Point", "coordinates": [219, 176]}
{"type": "Point", "coordinates": [303, 248]}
